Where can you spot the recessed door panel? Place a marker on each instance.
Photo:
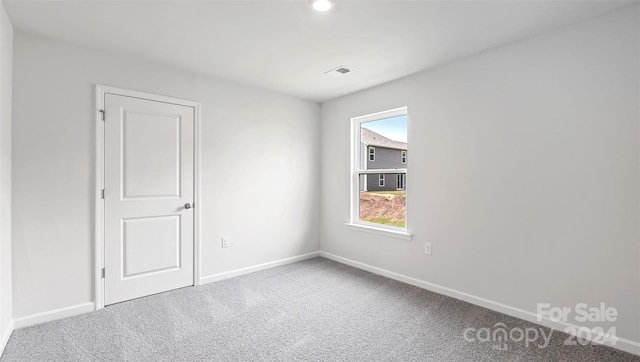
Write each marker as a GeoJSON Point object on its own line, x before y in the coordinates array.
{"type": "Point", "coordinates": [151, 164]}
{"type": "Point", "coordinates": [141, 237]}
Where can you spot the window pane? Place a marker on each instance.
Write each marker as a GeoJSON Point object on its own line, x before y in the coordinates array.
{"type": "Point", "coordinates": [383, 146]}
{"type": "Point", "coordinates": [386, 207]}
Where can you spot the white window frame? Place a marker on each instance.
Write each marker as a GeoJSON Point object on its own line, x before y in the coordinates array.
{"type": "Point", "coordinates": [369, 154]}
{"type": "Point", "coordinates": [356, 170]}
{"type": "Point", "coordinates": [403, 156]}
{"type": "Point", "coordinates": [381, 180]}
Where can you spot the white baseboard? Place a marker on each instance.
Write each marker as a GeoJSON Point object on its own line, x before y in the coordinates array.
{"type": "Point", "coordinates": [621, 344]}
{"type": "Point", "coordinates": [49, 316]}
{"type": "Point", "coordinates": [255, 268]}
{"type": "Point", "coordinates": [4, 337]}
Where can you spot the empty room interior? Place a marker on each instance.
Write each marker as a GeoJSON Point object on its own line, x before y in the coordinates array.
{"type": "Point", "coordinates": [319, 180]}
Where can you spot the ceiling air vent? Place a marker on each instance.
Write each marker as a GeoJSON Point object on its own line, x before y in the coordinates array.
{"type": "Point", "coordinates": [338, 71]}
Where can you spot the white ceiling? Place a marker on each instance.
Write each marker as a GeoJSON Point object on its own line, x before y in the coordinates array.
{"type": "Point", "coordinates": [285, 46]}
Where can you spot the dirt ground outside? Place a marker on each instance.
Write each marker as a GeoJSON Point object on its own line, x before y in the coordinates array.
{"type": "Point", "coordinates": [383, 207]}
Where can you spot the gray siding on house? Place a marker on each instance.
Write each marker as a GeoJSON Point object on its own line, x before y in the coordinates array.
{"type": "Point", "coordinates": [390, 182]}
{"type": "Point", "coordinates": [385, 158]}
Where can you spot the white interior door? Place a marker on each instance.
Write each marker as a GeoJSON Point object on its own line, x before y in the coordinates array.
{"type": "Point", "coordinates": [149, 190]}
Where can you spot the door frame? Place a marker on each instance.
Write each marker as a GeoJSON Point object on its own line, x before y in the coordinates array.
{"type": "Point", "coordinates": [99, 245]}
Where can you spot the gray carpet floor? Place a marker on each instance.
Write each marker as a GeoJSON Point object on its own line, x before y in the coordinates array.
{"type": "Point", "coordinates": [314, 310]}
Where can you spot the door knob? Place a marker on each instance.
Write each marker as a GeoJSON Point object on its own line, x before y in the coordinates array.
{"type": "Point", "coordinates": [187, 205]}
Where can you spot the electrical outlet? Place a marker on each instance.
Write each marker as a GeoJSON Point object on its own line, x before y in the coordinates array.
{"type": "Point", "coordinates": [427, 248]}
{"type": "Point", "coordinates": [225, 241]}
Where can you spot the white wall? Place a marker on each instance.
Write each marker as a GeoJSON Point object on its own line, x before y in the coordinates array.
{"type": "Point", "coordinates": [6, 58]}
{"type": "Point", "coordinates": [260, 181]}
{"type": "Point", "coordinates": [523, 172]}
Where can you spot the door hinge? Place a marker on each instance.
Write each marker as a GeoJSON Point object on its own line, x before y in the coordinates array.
{"type": "Point", "coordinates": [102, 273]}
{"type": "Point", "coordinates": [103, 113]}
{"type": "Point", "coordinates": [102, 195]}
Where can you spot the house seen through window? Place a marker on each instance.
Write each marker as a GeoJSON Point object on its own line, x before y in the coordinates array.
{"type": "Point", "coordinates": [380, 169]}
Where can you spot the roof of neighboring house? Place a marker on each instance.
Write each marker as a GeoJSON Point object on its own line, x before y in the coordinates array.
{"type": "Point", "coordinates": [375, 139]}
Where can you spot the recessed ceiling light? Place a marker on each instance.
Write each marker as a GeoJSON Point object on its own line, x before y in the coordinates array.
{"type": "Point", "coordinates": [322, 5]}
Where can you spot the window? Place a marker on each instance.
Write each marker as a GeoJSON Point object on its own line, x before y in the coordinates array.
{"type": "Point", "coordinates": [400, 181]}
{"type": "Point", "coordinates": [377, 206]}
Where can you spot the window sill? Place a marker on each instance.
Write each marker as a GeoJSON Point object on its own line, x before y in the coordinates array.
{"type": "Point", "coordinates": [380, 231]}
